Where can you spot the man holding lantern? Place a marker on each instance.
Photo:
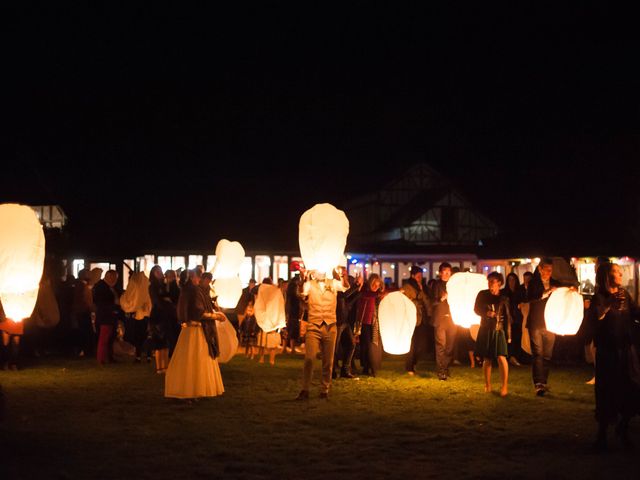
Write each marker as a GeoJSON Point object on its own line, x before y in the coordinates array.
{"type": "Point", "coordinates": [321, 294]}
{"type": "Point", "coordinates": [542, 340]}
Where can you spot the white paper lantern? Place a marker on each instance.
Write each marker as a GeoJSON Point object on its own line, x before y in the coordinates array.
{"type": "Point", "coordinates": [136, 298]}
{"type": "Point", "coordinates": [227, 341]}
{"type": "Point", "coordinates": [226, 270]}
{"type": "Point", "coordinates": [21, 260]}
{"type": "Point", "coordinates": [322, 236]}
{"type": "Point", "coordinates": [397, 318]}
{"type": "Point", "coordinates": [564, 311]}
{"type": "Point", "coordinates": [462, 290]}
{"type": "Point", "coordinates": [269, 308]}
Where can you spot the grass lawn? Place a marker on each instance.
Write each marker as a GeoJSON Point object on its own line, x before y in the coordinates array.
{"type": "Point", "coordinates": [72, 419]}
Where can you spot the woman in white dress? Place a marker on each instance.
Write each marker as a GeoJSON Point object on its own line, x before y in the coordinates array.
{"type": "Point", "coordinates": [193, 370]}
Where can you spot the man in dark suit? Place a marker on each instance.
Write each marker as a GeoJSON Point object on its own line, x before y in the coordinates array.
{"type": "Point", "coordinates": [444, 328]}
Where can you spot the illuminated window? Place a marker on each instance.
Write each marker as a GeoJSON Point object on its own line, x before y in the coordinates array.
{"type": "Point", "coordinates": [77, 265]}
{"type": "Point", "coordinates": [145, 263]}
{"type": "Point", "coordinates": [245, 271]}
{"type": "Point", "coordinates": [129, 266]}
{"type": "Point", "coordinates": [211, 261]}
{"type": "Point", "coordinates": [164, 262]}
{"type": "Point", "coordinates": [281, 267]}
{"type": "Point", "coordinates": [194, 261]}
{"type": "Point", "coordinates": [262, 268]}
{"type": "Point", "coordinates": [178, 263]}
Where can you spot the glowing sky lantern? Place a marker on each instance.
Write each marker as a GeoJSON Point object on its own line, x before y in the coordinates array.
{"type": "Point", "coordinates": [228, 287]}
{"type": "Point", "coordinates": [269, 308]}
{"type": "Point", "coordinates": [322, 236]}
{"type": "Point", "coordinates": [397, 317]}
{"type": "Point", "coordinates": [564, 311]}
{"type": "Point", "coordinates": [136, 298]}
{"type": "Point", "coordinates": [462, 289]}
{"type": "Point", "coordinates": [21, 260]}
{"type": "Point", "coordinates": [227, 340]}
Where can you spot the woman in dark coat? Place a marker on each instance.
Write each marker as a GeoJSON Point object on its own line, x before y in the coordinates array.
{"type": "Point", "coordinates": [163, 318]}
{"type": "Point", "coordinates": [367, 317]}
{"type": "Point", "coordinates": [513, 292]}
{"type": "Point", "coordinates": [495, 330]}
{"type": "Point", "coordinates": [617, 365]}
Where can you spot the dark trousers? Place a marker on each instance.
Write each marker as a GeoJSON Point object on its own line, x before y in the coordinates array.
{"type": "Point", "coordinates": [105, 344]}
{"type": "Point", "coordinates": [86, 337]}
{"type": "Point", "coordinates": [445, 341]}
{"type": "Point", "coordinates": [370, 354]}
{"type": "Point", "coordinates": [140, 328]}
{"type": "Point", "coordinates": [542, 342]}
{"type": "Point", "coordinates": [515, 347]}
{"type": "Point", "coordinates": [345, 348]}
{"type": "Point", "coordinates": [418, 346]}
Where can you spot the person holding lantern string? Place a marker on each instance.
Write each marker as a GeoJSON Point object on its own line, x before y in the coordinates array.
{"type": "Point", "coordinates": [415, 292]}
{"type": "Point", "coordinates": [617, 335]}
{"type": "Point", "coordinates": [321, 330]}
{"type": "Point", "coordinates": [494, 333]}
{"type": "Point", "coordinates": [542, 340]}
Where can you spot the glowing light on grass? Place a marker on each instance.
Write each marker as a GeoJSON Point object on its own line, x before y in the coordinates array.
{"type": "Point", "coordinates": [269, 308]}
{"type": "Point", "coordinates": [226, 273]}
{"type": "Point", "coordinates": [323, 231]}
{"type": "Point", "coordinates": [564, 311]}
{"type": "Point", "coordinates": [462, 289]}
{"type": "Point", "coordinates": [21, 260]}
{"type": "Point", "coordinates": [397, 317]}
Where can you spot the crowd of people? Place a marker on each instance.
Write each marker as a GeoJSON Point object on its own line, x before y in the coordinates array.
{"type": "Point", "coordinates": [173, 318]}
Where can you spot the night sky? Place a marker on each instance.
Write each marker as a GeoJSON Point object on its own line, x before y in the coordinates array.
{"type": "Point", "coordinates": [173, 127]}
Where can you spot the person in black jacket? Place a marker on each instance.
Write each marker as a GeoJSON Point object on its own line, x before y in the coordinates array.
{"type": "Point", "coordinates": [617, 362]}
{"type": "Point", "coordinates": [346, 340]}
{"type": "Point", "coordinates": [415, 292]}
{"type": "Point", "coordinates": [108, 312]}
{"type": "Point", "coordinates": [444, 328]}
{"type": "Point", "coordinates": [542, 340]}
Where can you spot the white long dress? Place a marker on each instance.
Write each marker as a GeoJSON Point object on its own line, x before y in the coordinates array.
{"type": "Point", "coordinates": [192, 373]}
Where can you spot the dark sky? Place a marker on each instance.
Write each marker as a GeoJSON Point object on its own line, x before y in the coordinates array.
{"type": "Point", "coordinates": [154, 125]}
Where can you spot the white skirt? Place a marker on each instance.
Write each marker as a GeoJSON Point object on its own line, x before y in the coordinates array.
{"type": "Point", "coordinates": [192, 373]}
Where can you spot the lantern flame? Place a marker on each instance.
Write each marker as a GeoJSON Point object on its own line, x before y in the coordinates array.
{"type": "Point", "coordinates": [21, 260]}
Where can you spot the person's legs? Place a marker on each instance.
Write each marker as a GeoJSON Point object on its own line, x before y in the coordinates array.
{"type": "Point", "coordinates": [4, 351]}
{"type": "Point", "coordinates": [348, 353]}
{"type": "Point", "coordinates": [537, 365]}
{"type": "Point", "coordinates": [504, 374]}
{"type": "Point", "coordinates": [313, 338]}
{"type": "Point", "coordinates": [411, 359]}
{"type": "Point", "coordinates": [440, 340]}
{"type": "Point", "coordinates": [548, 340]}
{"type": "Point", "coordinates": [14, 352]}
{"type": "Point", "coordinates": [486, 368]}
{"type": "Point", "coordinates": [103, 343]}
{"type": "Point", "coordinates": [328, 349]}
{"type": "Point", "coordinates": [365, 346]}
{"type": "Point", "coordinates": [450, 343]}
